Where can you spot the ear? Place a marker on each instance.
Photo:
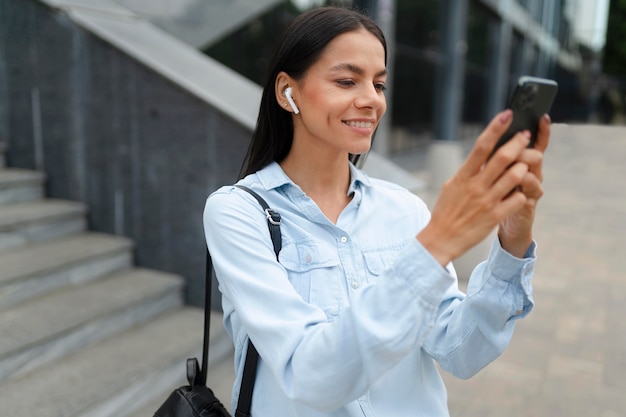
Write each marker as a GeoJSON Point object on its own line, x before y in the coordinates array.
{"type": "Point", "coordinates": [283, 80]}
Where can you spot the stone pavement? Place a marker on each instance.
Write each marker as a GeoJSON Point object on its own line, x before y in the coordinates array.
{"type": "Point", "coordinates": [568, 357]}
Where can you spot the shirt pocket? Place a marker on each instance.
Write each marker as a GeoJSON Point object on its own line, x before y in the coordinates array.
{"type": "Point", "coordinates": [315, 273]}
{"type": "Point", "coordinates": [380, 258]}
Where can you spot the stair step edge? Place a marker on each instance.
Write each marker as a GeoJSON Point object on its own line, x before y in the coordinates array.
{"type": "Point", "coordinates": [18, 214]}
{"type": "Point", "coordinates": [10, 177]}
{"type": "Point", "coordinates": [154, 390]}
{"type": "Point", "coordinates": [220, 378]}
{"type": "Point", "coordinates": [22, 279]}
{"type": "Point", "coordinates": [127, 359]}
{"type": "Point", "coordinates": [79, 318]}
{"type": "Point", "coordinates": [50, 256]}
{"type": "Point", "coordinates": [33, 222]}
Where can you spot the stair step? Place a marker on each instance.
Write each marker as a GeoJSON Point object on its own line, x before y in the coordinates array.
{"type": "Point", "coordinates": [115, 377]}
{"type": "Point", "coordinates": [19, 185]}
{"type": "Point", "coordinates": [31, 222]}
{"type": "Point", "coordinates": [55, 324]}
{"type": "Point", "coordinates": [220, 378]}
{"type": "Point", "coordinates": [41, 267]}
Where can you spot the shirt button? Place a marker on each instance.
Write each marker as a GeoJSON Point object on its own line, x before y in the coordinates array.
{"type": "Point", "coordinates": [518, 312]}
{"type": "Point", "coordinates": [344, 239]}
{"type": "Point", "coordinates": [355, 285]}
{"type": "Point", "coordinates": [307, 259]}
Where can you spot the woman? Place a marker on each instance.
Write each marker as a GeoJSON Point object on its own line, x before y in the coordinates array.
{"type": "Point", "coordinates": [364, 300]}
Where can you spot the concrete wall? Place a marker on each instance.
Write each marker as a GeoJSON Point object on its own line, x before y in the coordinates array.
{"type": "Point", "coordinates": [142, 152]}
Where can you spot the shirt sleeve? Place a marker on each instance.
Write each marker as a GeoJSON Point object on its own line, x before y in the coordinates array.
{"type": "Point", "coordinates": [473, 330]}
{"type": "Point", "coordinates": [304, 350]}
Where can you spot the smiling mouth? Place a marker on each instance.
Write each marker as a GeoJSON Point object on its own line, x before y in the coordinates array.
{"type": "Point", "coordinates": [361, 125]}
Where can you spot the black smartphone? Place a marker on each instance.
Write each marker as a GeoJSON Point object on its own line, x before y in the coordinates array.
{"type": "Point", "coordinates": [531, 99]}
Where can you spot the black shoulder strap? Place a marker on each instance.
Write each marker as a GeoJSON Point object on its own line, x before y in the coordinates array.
{"type": "Point", "coordinates": [273, 220]}
{"type": "Point", "coordinates": [252, 357]}
{"type": "Point", "coordinates": [200, 379]}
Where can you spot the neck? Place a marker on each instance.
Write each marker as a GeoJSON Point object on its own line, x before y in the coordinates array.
{"type": "Point", "coordinates": [324, 178]}
{"type": "Point", "coordinates": [315, 174]}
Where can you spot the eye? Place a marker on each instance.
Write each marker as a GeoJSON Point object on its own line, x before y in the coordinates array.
{"type": "Point", "coordinates": [380, 87]}
{"type": "Point", "coordinates": [345, 83]}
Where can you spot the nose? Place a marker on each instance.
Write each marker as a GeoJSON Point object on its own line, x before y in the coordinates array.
{"type": "Point", "coordinates": [369, 96]}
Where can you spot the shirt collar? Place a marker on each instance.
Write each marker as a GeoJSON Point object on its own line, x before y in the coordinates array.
{"type": "Point", "coordinates": [273, 176]}
{"type": "Point", "coordinates": [358, 178]}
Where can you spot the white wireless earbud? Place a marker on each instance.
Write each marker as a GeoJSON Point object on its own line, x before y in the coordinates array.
{"type": "Point", "coordinates": [290, 100]}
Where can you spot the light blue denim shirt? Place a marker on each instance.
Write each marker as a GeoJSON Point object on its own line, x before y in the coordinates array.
{"type": "Point", "coordinates": [354, 317]}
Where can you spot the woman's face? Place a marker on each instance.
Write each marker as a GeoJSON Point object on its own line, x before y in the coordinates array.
{"type": "Point", "coordinates": [341, 97]}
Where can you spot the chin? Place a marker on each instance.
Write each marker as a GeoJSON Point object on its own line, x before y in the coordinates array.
{"type": "Point", "coordinates": [361, 150]}
{"type": "Point", "coordinates": [361, 146]}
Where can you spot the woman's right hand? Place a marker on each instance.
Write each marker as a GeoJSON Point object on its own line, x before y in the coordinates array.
{"type": "Point", "coordinates": [480, 195]}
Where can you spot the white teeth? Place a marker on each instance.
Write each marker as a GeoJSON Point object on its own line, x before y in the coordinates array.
{"type": "Point", "coordinates": [363, 125]}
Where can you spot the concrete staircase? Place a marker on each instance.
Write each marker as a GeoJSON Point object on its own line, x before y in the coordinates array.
{"type": "Point", "coordinates": [82, 331]}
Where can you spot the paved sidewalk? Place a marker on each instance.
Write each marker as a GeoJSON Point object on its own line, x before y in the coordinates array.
{"type": "Point", "coordinates": [568, 358]}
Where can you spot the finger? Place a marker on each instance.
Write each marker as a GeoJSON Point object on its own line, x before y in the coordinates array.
{"type": "Point", "coordinates": [504, 157]}
{"type": "Point", "coordinates": [485, 143]}
{"type": "Point", "coordinates": [543, 134]}
{"type": "Point", "coordinates": [534, 159]}
{"type": "Point", "coordinates": [508, 181]}
{"type": "Point", "coordinates": [530, 156]}
{"type": "Point", "coordinates": [531, 186]}
{"type": "Point", "coordinates": [511, 204]}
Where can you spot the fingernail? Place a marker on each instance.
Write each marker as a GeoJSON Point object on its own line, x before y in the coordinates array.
{"type": "Point", "coordinates": [547, 118]}
{"type": "Point", "coordinates": [505, 116]}
{"type": "Point", "coordinates": [526, 134]}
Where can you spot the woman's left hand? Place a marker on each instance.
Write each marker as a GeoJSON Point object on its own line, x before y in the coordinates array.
{"type": "Point", "coordinates": [515, 232]}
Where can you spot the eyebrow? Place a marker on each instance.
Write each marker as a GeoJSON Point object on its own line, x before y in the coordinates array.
{"type": "Point", "coordinates": [355, 69]}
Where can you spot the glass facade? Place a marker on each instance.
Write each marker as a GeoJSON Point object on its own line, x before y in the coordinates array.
{"type": "Point", "coordinates": [249, 49]}
{"type": "Point", "coordinates": [418, 54]}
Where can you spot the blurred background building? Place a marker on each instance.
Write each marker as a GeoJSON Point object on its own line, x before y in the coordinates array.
{"type": "Point", "coordinates": [455, 62]}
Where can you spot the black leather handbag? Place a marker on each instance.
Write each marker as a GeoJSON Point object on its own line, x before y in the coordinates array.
{"type": "Point", "coordinates": [196, 399]}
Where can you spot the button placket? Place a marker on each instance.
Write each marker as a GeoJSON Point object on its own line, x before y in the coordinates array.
{"type": "Point", "coordinates": [352, 280]}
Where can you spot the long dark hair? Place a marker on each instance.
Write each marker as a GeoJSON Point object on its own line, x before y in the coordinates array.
{"type": "Point", "coordinates": [300, 46]}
